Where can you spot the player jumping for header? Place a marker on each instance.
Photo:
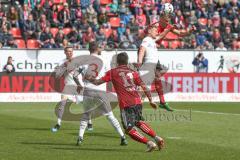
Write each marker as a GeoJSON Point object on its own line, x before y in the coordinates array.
{"type": "Point", "coordinates": [148, 54]}
{"type": "Point", "coordinates": [125, 82]}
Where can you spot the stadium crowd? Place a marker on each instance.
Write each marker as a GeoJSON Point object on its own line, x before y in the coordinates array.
{"type": "Point", "coordinates": [116, 23]}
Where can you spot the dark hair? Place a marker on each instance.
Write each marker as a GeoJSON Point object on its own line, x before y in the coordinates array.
{"type": "Point", "coordinates": [93, 46]}
{"type": "Point", "coordinates": [122, 58]}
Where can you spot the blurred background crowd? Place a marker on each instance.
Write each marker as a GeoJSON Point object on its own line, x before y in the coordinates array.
{"type": "Point", "coordinates": [116, 23]}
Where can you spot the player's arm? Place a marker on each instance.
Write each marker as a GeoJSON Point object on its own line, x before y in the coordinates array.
{"type": "Point", "coordinates": [183, 33]}
{"type": "Point", "coordinates": [95, 81]}
{"type": "Point", "coordinates": [164, 33]}
{"type": "Point", "coordinates": [141, 54]}
{"type": "Point", "coordinates": [100, 81]}
{"type": "Point", "coordinates": [76, 80]}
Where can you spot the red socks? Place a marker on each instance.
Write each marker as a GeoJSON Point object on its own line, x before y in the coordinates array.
{"type": "Point", "coordinates": [146, 128]}
{"type": "Point", "coordinates": [134, 134]}
{"type": "Point", "coordinates": [159, 89]}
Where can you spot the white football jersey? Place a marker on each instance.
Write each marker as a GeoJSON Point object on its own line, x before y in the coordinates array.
{"type": "Point", "coordinates": [97, 70]}
{"type": "Point", "coordinates": [151, 54]}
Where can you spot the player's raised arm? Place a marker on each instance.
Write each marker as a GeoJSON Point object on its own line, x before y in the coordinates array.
{"type": "Point", "coordinates": [183, 33]}
{"type": "Point", "coordinates": [100, 81]}
{"type": "Point", "coordinates": [141, 54]}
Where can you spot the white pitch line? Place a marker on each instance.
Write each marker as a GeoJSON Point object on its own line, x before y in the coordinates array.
{"type": "Point", "coordinates": [217, 113]}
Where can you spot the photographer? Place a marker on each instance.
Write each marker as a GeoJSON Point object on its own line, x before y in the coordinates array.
{"type": "Point", "coordinates": [201, 63]}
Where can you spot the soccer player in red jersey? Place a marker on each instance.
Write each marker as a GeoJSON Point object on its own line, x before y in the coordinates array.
{"type": "Point", "coordinates": [125, 82]}
{"type": "Point", "coordinates": [148, 53]}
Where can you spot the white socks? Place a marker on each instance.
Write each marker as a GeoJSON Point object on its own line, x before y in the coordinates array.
{"type": "Point", "coordinates": [114, 122]}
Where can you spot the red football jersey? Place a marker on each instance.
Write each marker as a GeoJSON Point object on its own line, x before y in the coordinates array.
{"type": "Point", "coordinates": [162, 25]}
{"type": "Point", "coordinates": [125, 82]}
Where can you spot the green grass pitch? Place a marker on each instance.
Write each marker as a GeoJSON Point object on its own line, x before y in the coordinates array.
{"type": "Point", "coordinates": [196, 131]}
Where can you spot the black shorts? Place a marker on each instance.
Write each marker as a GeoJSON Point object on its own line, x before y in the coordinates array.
{"type": "Point", "coordinates": [131, 115]}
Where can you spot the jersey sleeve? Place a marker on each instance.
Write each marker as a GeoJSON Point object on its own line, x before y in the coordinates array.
{"type": "Point", "coordinates": [107, 77]}
{"type": "Point", "coordinates": [137, 79]}
{"type": "Point", "coordinates": [145, 43]}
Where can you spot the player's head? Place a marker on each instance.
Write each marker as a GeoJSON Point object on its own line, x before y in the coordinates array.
{"type": "Point", "coordinates": [68, 52]}
{"type": "Point", "coordinates": [94, 48]}
{"type": "Point", "coordinates": [167, 10]}
{"type": "Point", "coordinates": [122, 58]}
{"type": "Point", "coordinates": [153, 30]}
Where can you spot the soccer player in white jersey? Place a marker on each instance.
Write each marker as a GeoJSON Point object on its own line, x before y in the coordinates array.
{"type": "Point", "coordinates": [72, 86]}
{"type": "Point", "coordinates": [93, 95]}
{"type": "Point", "coordinates": [148, 56]}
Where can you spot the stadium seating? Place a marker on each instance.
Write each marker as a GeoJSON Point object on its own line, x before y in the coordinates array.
{"type": "Point", "coordinates": [32, 44]}
{"type": "Point", "coordinates": [66, 30]}
{"type": "Point", "coordinates": [174, 44]}
{"type": "Point", "coordinates": [54, 31]}
{"type": "Point", "coordinates": [171, 36]}
{"type": "Point", "coordinates": [107, 32]}
{"type": "Point", "coordinates": [105, 2]}
{"type": "Point", "coordinates": [59, 1]}
{"type": "Point", "coordinates": [20, 43]}
{"type": "Point", "coordinates": [16, 32]}
{"type": "Point", "coordinates": [164, 43]}
{"type": "Point", "coordinates": [203, 21]}
{"type": "Point", "coordinates": [115, 21]}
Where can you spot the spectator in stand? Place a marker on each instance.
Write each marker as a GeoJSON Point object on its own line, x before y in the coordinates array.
{"type": "Point", "coordinates": [65, 43]}
{"type": "Point", "coordinates": [192, 18]}
{"type": "Point", "coordinates": [84, 5]}
{"type": "Point", "coordinates": [42, 24]}
{"type": "Point", "coordinates": [29, 28]}
{"type": "Point", "coordinates": [130, 39]}
{"type": "Point", "coordinates": [201, 38]}
{"type": "Point", "coordinates": [59, 37]}
{"type": "Point", "coordinates": [113, 39]}
{"type": "Point", "coordinates": [179, 19]}
{"type": "Point", "coordinates": [125, 16]}
{"type": "Point", "coordinates": [102, 17]}
{"type": "Point", "coordinates": [4, 22]}
{"type": "Point", "coordinates": [186, 7]}
{"type": "Point", "coordinates": [148, 6]}
{"type": "Point", "coordinates": [53, 16]}
{"type": "Point", "coordinates": [133, 25]}
{"type": "Point", "coordinates": [13, 17]}
{"type": "Point", "coordinates": [10, 43]}
{"type": "Point", "coordinates": [227, 37]}
{"type": "Point", "coordinates": [154, 17]}
{"type": "Point", "coordinates": [216, 20]}
{"type": "Point", "coordinates": [53, 44]}
{"type": "Point", "coordinates": [31, 3]}
{"type": "Point", "coordinates": [78, 13]}
{"type": "Point", "coordinates": [88, 37]}
{"type": "Point", "coordinates": [5, 36]}
{"type": "Point", "coordinates": [113, 7]}
{"type": "Point", "coordinates": [121, 30]}
{"type": "Point", "coordinates": [221, 47]}
{"type": "Point", "coordinates": [64, 16]}
{"type": "Point", "coordinates": [208, 46]}
{"type": "Point", "coordinates": [101, 38]}
{"type": "Point", "coordinates": [37, 11]}
{"type": "Point", "coordinates": [91, 13]}
{"type": "Point", "coordinates": [236, 25]}
{"type": "Point", "coordinates": [216, 38]}
{"type": "Point", "coordinates": [141, 18]}
{"type": "Point", "coordinates": [95, 26]}
{"type": "Point", "coordinates": [9, 67]}
{"type": "Point", "coordinates": [73, 37]}
{"type": "Point", "coordinates": [229, 14]}
{"type": "Point", "coordinates": [1, 10]}
{"type": "Point", "coordinates": [45, 38]}
{"type": "Point", "coordinates": [202, 13]}
{"type": "Point", "coordinates": [210, 7]}
{"type": "Point", "coordinates": [26, 12]}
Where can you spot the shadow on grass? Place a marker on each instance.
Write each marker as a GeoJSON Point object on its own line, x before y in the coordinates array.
{"type": "Point", "coordinates": [47, 143]}
{"type": "Point", "coordinates": [95, 134]}
{"type": "Point", "coordinates": [38, 129]}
